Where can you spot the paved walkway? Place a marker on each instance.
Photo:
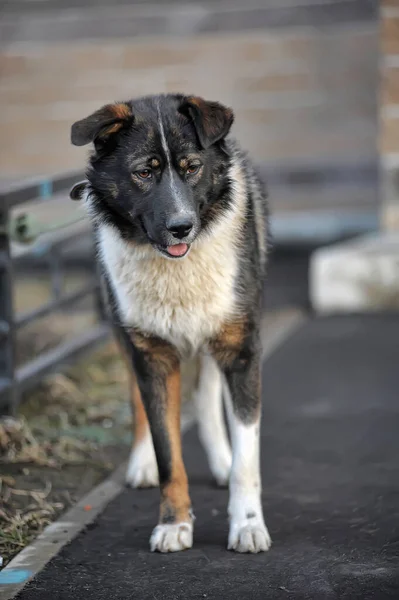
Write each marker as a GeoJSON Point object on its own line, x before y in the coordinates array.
{"type": "Point", "coordinates": [331, 490]}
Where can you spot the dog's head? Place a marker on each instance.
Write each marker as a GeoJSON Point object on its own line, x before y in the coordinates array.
{"type": "Point", "coordinates": [158, 167]}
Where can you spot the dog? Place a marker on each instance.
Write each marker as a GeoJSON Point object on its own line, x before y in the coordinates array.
{"type": "Point", "coordinates": [180, 221]}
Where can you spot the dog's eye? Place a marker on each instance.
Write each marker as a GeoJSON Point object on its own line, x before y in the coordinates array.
{"type": "Point", "coordinates": [144, 174]}
{"type": "Point", "coordinates": [193, 169]}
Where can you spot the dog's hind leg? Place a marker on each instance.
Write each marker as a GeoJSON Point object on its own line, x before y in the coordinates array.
{"type": "Point", "coordinates": [142, 469]}
{"type": "Point", "coordinates": [211, 425]}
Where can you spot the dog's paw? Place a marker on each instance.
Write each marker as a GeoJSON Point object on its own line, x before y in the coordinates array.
{"type": "Point", "coordinates": [249, 537]}
{"type": "Point", "coordinates": [142, 470]}
{"type": "Point", "coordinates": [221, 468]}
{"type": "Point", "coordinates": [172, 537]}
{"type": "Point", "coordinates": [143, 477]}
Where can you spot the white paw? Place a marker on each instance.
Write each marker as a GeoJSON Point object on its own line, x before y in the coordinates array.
{"type": "Point", "coordinates": [143, 477]}
{"type": "Point", "coordinates": [172, 538]}
{"type": "Point", "coordinates": [249, 537]}
{"type": "Point", "coordinates": [221, 467]}
{"type": "Point", "coordinates": [142, 470]}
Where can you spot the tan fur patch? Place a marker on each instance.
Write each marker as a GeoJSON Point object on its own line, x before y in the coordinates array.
{"type": "Point", "coordinates": [157, 351]}
{"type": "Point", "coordinates": [203, 106]}
{"type": "Point", "coordinates": [232, 334]}
{"type": "Point", "coordinates": [185, 161]}
{"type": "Point", "coordinates": [175, 498]}
{"type": "Point", "coordinates": [228, 342]}
{"type": "Point", "coordinates": [121, 110]}
{"type": "Point", "coordinates": [196, 101]}
{"type": "Point", "coordinates": [173, 409]}
{"type": "Point", "coordinates": [111, 129]}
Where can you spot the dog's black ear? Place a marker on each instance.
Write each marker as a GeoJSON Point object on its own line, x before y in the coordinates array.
{"type": "Point", "coordinates": [212, 120]}
{"type": "Point", "coordinates": [78, 190]}
{"type": "Point", "coordinates": [104, 122]}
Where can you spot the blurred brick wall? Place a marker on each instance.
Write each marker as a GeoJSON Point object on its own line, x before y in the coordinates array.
{"type": "Point", "coordinates": [301, 94]}
{"type": "Point", "coordinates": [389, 125]}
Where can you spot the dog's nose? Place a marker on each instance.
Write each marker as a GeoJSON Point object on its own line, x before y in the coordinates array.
{"type": "Point", "coordinates": [179, 228]}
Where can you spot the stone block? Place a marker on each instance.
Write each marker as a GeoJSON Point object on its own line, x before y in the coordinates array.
{"type": "Point", "coordinates": [357, 276]}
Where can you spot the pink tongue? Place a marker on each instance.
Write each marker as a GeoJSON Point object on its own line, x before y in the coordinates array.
{"type": "Point", "coordinates": [177, 250]}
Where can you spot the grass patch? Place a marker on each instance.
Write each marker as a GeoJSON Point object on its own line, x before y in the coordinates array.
{"type": "Point", "coordinates": [70, 432]}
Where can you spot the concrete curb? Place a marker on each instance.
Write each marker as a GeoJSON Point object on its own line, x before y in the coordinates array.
{"type": "Point", "coordinates": [34, 557]}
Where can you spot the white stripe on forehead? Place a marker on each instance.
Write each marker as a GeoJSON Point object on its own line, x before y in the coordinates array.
{"type": "Point", "coordinates": [163, 140]}
{"type": "Point", "coordinates": [176, 192]}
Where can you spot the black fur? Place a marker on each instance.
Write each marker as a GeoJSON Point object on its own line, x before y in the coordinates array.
{"type": "Point", "coordinates": [140, 208]}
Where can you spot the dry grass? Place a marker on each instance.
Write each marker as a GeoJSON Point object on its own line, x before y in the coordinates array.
{"type": "Point", "coordinates": [22, 522]}
{"type": "Point", "coordinates": [90, 392]}
{"type": "Point", "coordinates": [47, 448]}
{"type": "Point", "coordinates": [18, 445]}
{"type": "Point", "coordinates": [25, 512]}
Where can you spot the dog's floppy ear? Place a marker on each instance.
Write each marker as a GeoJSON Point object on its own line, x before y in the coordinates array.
{"type": "Point", "coordinates": [107, 120]}
{"type": "Point", "coordinates": [212, 120]}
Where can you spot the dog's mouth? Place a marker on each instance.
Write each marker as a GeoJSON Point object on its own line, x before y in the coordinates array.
{"type": "Point", "coordinates": [174, 251]}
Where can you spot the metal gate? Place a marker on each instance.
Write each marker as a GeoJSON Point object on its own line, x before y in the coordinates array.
{"type": "Point", "coordinates": [13, 379]}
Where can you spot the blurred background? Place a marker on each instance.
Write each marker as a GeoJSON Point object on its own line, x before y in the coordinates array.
{"type": "Point", "coordinates": [315, 89]}
{"type": "Point", "coordinates": [302, 76]}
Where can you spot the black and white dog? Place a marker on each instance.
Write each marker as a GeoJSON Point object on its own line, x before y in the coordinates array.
{"type": "Point", "coordinates": [180, 222]}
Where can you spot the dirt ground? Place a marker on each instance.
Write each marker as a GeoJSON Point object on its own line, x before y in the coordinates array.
{"type": "Point", "coordinates": [69, 433]}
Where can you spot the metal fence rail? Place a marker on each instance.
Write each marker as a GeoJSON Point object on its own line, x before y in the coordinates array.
{"type": "Point", "coordinates": [14, 379]}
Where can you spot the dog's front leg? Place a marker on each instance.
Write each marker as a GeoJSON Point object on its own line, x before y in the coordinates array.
{"type": "Point", "coordinates": [238, 353]}
{"type": "Point", "coordinates": [157, 368]}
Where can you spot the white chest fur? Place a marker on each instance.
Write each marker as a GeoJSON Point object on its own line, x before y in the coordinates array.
{"type": "Point", "coordinates": [184, 301]}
